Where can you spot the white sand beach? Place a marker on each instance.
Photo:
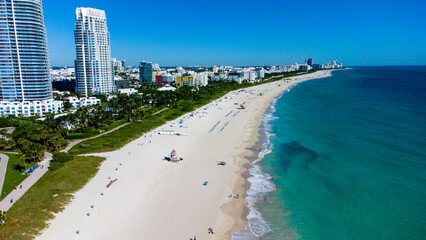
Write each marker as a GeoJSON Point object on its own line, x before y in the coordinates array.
{"type": "Point", "coordinates": [157, 199]}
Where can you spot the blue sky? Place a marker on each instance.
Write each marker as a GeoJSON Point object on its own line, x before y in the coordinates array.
{"type": "Point", "coordinates": [247, 32]}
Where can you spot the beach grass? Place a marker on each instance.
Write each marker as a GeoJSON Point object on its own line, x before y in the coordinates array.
{"type": "Point", "coordinates": [30, 214]}
{"type": "Point", "coordinates": [13, 174]}
{"type": "Point", "coordinates": [119, 138]}
{"type": "Point", "coordinates": [95, 132]}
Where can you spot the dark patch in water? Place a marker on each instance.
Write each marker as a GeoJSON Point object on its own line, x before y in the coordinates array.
{"type": "Point", "coordinates": [298, 154]}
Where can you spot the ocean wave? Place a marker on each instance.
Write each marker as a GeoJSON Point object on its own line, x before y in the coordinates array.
{"type": "Point", "coordinates": [260, 184]}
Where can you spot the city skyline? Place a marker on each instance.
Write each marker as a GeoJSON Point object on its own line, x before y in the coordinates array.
{"type": "Point", "coordinates": [240, 33]}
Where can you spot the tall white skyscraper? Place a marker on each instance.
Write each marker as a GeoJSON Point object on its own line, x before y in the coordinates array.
{"type": "Point", "coordinates": [93, 66]}
{"type": "Point", "coordinates": [25, 84]}
{"type": "Point", "coordinates": [24, 57]}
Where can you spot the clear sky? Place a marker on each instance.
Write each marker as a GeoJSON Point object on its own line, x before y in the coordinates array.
{"type": "Point", "coordinates": [248, 32]}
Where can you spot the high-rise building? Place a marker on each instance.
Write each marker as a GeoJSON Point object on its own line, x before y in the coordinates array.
{"type": "Point", "coordinates": [117, 65]}
{"type": "Point", "coordinates": [93, 66]}
{"type": "Point", "coordinates": [24, 57]}
{"type": "Point", "coordinates": [123, 62]}
{"type": "Point", "coordinates": [308, 61]}
{"type": "Point", "coordinates": [145, 72]}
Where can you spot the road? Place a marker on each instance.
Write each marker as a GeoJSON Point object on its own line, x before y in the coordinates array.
{"type": "Point", "coordinates": [5, 204]}
{"type": "Point", "coordinates": [3, 168]}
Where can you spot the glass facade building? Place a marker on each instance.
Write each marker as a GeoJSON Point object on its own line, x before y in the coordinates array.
{"type": "Point", "coordinates": [93, 66]}
{"type": "Point", "coordinates": [145, 72]}
{"type": "Point", "coordinates": [24, 57]}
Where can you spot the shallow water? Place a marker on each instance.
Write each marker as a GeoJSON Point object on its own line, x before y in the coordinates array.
{"type": "Point", "coordinates": [345, 159]}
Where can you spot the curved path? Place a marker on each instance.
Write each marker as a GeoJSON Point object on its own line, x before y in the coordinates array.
{"type": "Point", "coordinates": [6, 203]}
{"type": "Point", "coordinates": [75, 142]}
{"type": "Point", "coordinates": [3, 167]}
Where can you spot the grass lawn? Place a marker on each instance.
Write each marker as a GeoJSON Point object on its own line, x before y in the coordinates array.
{"type": "Point", "coordinates": [96, 131]}
{"type": "Point", "coordinates": [117, 139]}
{"type": "Point", "coordinates": [29, 215]}
{"type": "Point", "coordinates": [13, 175]}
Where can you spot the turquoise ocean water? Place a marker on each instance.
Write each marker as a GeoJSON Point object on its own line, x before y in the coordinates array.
{"type": "Point", "coordinates": [345, 159]}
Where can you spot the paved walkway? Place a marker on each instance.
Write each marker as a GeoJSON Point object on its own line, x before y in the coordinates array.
{"type": "Point", "coordinates": [72, 143]}
{"type": "Point", "coordinates": [26, 184]}
{"type": "Point", "coordinates": [3, 167]}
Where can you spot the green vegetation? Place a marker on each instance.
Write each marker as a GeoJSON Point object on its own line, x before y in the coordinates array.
{"type": "Point", "coordinates": [118, 138]}
{"type": "Point", "coordinates": [48, 196]}
{"type": "Point", "coordinates": [59, 159]}
{"type": "Point", "coordinates": [13, 175]}
{"type": "Point", "coordinates": [94, 132]}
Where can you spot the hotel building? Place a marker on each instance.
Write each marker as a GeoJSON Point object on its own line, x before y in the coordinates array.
{"type": "Point", "coordinates": [93, 66]}
{"type": "Point", "coordinates": [25, 84]}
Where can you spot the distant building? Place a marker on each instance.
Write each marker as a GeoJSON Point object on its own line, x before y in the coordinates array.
{"type": "Point", "coordinates": [215, 69]}
{"type": "Point", "coordinates": [30, 108]}
{"type": "Point", "coordinates": [117, 65]}
{"type": "Point", "coordinates": [83, 102]}
{"type": "Point", "coordinates": [252, 76]}
{"type": "Point", "coordinates": [201, 79]}
{"type": "Point", "coordinates": [303, 67]}
{"type": "Point", "coordinates": [65, 85]}
{"type": "Point", "coordinates": [123, 84]}
{"type": "Point", "coordinates": [178, 81]}
{"type": "Point", "coordinates": [308, 62]}
{"type": "Point", "coordinates": [186, 80]}
{"type": "Point", "coordinates": [145, 72]}
{"type": "Point", "coordinates": [127, 91]}
{"type": "Point", "coordinates": [167, 78]}
{"type": "Point", "coordinates": [316, 66]}
{"type": "Point", "coordinates": [93, 66]}
{"type": "Point", "coordinates": [158, 80]}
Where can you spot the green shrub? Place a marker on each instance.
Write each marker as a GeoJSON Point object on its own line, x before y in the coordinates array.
{"type": "Point", "coordinates": [59, 159]}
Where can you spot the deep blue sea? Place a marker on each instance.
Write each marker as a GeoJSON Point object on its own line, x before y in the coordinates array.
{"type": "Point", "coordinates": [346, 159]}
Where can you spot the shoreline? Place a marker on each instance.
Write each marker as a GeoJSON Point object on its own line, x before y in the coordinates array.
{"type": "Point", "coordinates": [168, 200]}
{"type": "Point", "coordinates": [256, 156]}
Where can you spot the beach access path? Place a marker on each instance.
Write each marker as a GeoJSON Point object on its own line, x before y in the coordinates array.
{"type": "Point", "coordinates": [6, 203]}
{"type": "Point", "coordinates": [72, 143]}
{"type": "Point", "coordinates": [3, 168]}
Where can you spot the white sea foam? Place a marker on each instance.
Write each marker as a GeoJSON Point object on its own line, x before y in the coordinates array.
{"type": "Point", "coordinates": [260, 184]}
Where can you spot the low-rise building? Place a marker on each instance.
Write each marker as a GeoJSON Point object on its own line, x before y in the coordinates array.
{"type": "Point", "coordinates": [31, 108]}
{"type": "Point", "coordinates": [201, 79]}
{"type": "Point", "coordinates": [127, 91]}
{"type": "Point", "coordinates": [83, 102]}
